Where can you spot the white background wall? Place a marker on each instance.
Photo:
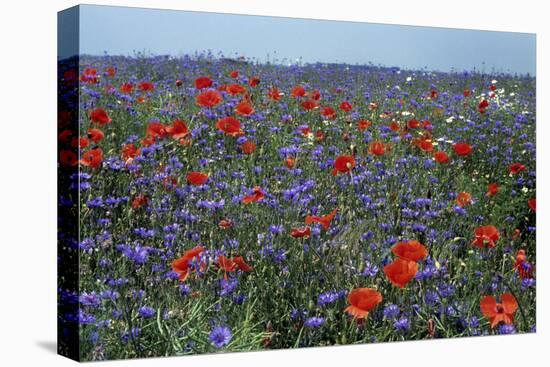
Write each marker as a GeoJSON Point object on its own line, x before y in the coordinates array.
{"type": "Point", "coordinates": [28, 181]}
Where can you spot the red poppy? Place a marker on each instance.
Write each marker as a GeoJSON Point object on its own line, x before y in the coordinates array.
{"type": "Point", "coordinates": [234, 74]}
{"type": "Point", "coordinates": [65, 136]}
{"type": "Point", "coordinates": [426, 145]}
{"type": "Point", "coordinates": [248, 147]}
{"type": "Point", "coordinates": [81, 142]}
{"type": "Point", "coordinates": [203, 82]}
{"type": "Point", "coordinates": [254, 81]}
{"type": "Point", "coordinates": [532, 203]}
{"type": "Point", "coordinates": [346, 106]}
{"type": "Point", "coordinates": [362, 301]}
{"type": "Point", "coordinates": [241, 264]}
{"type": "Point", "coordinates": [410, 250]}
{"type": "Point", "coordinates": [146, 86]}
{"type": "Point", "coordinates": [230, 126]}
{"type": "Point", "coordinates": [303, 232]}
{"type": "Point", "coordinates": [99, 116]}
{"type": "Point", "coordinates": [68, 158]}
{"type": "Point", "coordinates": [323, 221]}
{"type": "Point", "coordinates": [257, 195]}
{"type": "Point", "coordinates": [401, 271]}
{"type": "Point", "coordinates": [516, 168]}
{"type": "Point", "coordinates": [129, 151]}
{"type": "Point", "coordinates": [394, 126]}
{"type": "Point", "coordinates": [315, 95]}
{"type": "Point", "coordinates": [95, 135]}
{"type": "Point", "coordinates": [306, 131]}
{"type": "Point", "coordinates": [244, 108]}
{"type": "Point", "coordinates": [235, 89]}
{"type": "Point", "coordinates": [319, 135]}
{"type": "Point", "coordinates": [492, 189]}
{"type": "Point", "coordinates": [210, 98]}
{"type": "Point", "coordinates": [274, 94]}
{"type": "Point", "coordinates": [486, 236]}
{"type": "Point", "coordinates": [156, 130]}
{"type": "Point", "coordinates": [229, 265]}
{"type": "Point", "coordinates": [179, 83]}
{"type": "Point", "coordinates": [499, 312]}
{"type": "Point", "coordinates": [343, 164]}
{"type": "Point", "coordinates": [482, 107]}
{"type": "Point", "coordinates": [462, 149]}
{"type": "Point", "coordinates": [309, 104]}
{"type": "Point", "coordinates": [197, 178]}
{"type": "Point", "coordinates": [466, 93]}
{"type": "Point", "coordinates": [442, 157]}
{"type": "Point", "coordinates": [178, 130]}
{"type": "Point", "coordinates": [92, 158]}
{"type": "Point", "coordinates": [139, 201]}
{"type": "Point", "coordinates": [413, 124]}
{"type": "Point", "coordinates": [225, 223]}
{"type": "Point", "coordinates": [182, 265]}
{"type": "Point", "coordinates": [377, 148]}
{"type": "Point", "coordinates": [298, 91]}
{"type": "Point", "coordinates": [363, 124]}
{"type": "Point", "coordinates": [126, 88]}
{"type": "Point", "coordinates": [290, 162]}
{"type": "Point", "coordinates": [463, 199]}
{"type": "Point", "coordinates": [89, 75]}
{"type": "Point", "coordinates": [110, 71]}
{"type": "Point", "coordinates": [523, 267]}
{"type": "Point", "coordinates": [329, 113]}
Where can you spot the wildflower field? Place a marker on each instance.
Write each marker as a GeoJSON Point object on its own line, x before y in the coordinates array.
{"type": "Point", "coordinates": [228, 205]}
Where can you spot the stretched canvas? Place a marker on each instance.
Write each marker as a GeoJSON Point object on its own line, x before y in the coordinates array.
{"type": "Point", "coordinates": [232, 183]}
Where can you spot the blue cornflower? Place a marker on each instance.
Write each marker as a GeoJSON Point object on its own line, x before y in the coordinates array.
{"type": "Point", "coordinates": [220, 336]}
{"type": "Point", "coordinates": [391, 311]}
{"type": "Point", "coordinates": [146, 312]}
{"type": "Point", "coordinates": [402, 324]}
{"type": "Point", "coordinates": [314, 322]}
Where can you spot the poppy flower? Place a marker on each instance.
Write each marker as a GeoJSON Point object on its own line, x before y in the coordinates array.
{"type": "Point", "coordinates": [244, 108]}
{"type": "Point", "coordinates": [298, 91]}
{"type": "Point", "coordinates": [492, 189]}
{"type": "Point", "coordinates": [363, 124]}
{"type": "Point", "coordinates": [92, 158]}
{"type": "Point", "coordinates": [413, 124]}
{"type": "Point", "coordinates": [486, 236]}
{"type": "Point", "coordinates": [274, 94]}
{"type": "Point", "coordinates": [230, 126]}
{"type": "Point", "coordinates": [462, 149]}
{"type": "Point", "coordinates": [234, 74]}
{"type": "Point", "coordinates": [482, 106]}
{"type": "Point", "coordinates": [203, 82]}
{"type": "Point", "coordinates": [235, 89]}
{"type": "Point", "coordinates": [463, 199]}
{"type": "Point", "coordinates": [401, 271]}
{"type": "Point", "coordinates": [197, 178]}
{"type": "Point", "coordinates": [524, 269]}
{"type": "Point", "coordinates": [466, 93]}
{"type": "Point", "coordinates": [343, 164]}
{"type": "Point", "coordinates": [346, 106]}
{"type": "Point", "coordinates": [305, 130]}
{"type": "Point", "coordinates": [181, 266]}
{"type": "Point", "coordinates": [426, 124]}
{"type": "Point", "coordinates": [156, 130]}
{"type": "Point", "coordinates": [99, 116]}
{"type": "Point", "coordinates": [95, 135]}
{"type": "Point", "coordinates": [241, 264]}
{"type": "Point", "coordinates": [126, 88]}
{"type": "Point", "coordinates": [532, 203]}
{"type": "Point", "coordinates": [303, 232]}
{"type": "Point", "coordinates": [257, 195]}
{"type": "Point", "coordinates": [81, 142]}
{"type": "Point", "coordinates": [499, 312]}
{"type": "Point", "coordinates": [323, 221]}
{"type": "Point", "coordinates": [329, 113]}
{"type": "Point", "coordinates": [362, 301]}
{"type": "Point", "coordinates": [210, 98]}
{"type": "Point", "coordinates": [319, 135]}
{"type": "Point", "coordinates": [441, 157]}
{"type": "Point", "coordinates": [315, 95]}
{"type": "Point", "coordinates": [516, 168]}
{"type": "Point", "coordinates": [254, 81]}
{"type": "Point", "coordinates": [65, 136]}
{"type": "Point", "coordinates": [394, 126]}
{"type": "Point", "coordinates": [129, 151]}
{"type": "Point", "coordinates": [410, 250]}
{"type": "Point", "coordinates": [226, 264]}
{"type": "Point", "coordinates": [377, 148]}
{"type": "Point", "coordinates": [178, 130]}
{"type": "Point", "coordinates": [309, 104]}
{"type": "Point", "coordinates": [89, 75]}
{"type": "Point", "coordinates": [225, 223]}
{"type": "Point", "coordinates": [146, 86]}
{"type": "Point", "coordinates": [290, 162]}
{"type": "Point", "coordinates": [248, 147]}
{"type": "Point", "coordinates": [139, 201]}
{"type": "Point", "coordinates": [179, 83]}
{"type": "Point", "coordinates": [426, 145]}
{"type": "Point", "coordinates": [68, 158]}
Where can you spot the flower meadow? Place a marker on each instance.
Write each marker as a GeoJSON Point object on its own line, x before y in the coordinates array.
{"type": "Point", "coordinates": [227, 205]}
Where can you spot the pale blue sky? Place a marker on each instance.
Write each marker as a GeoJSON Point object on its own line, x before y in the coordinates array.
{"type": "Point", "coordinates": [122, 31]}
